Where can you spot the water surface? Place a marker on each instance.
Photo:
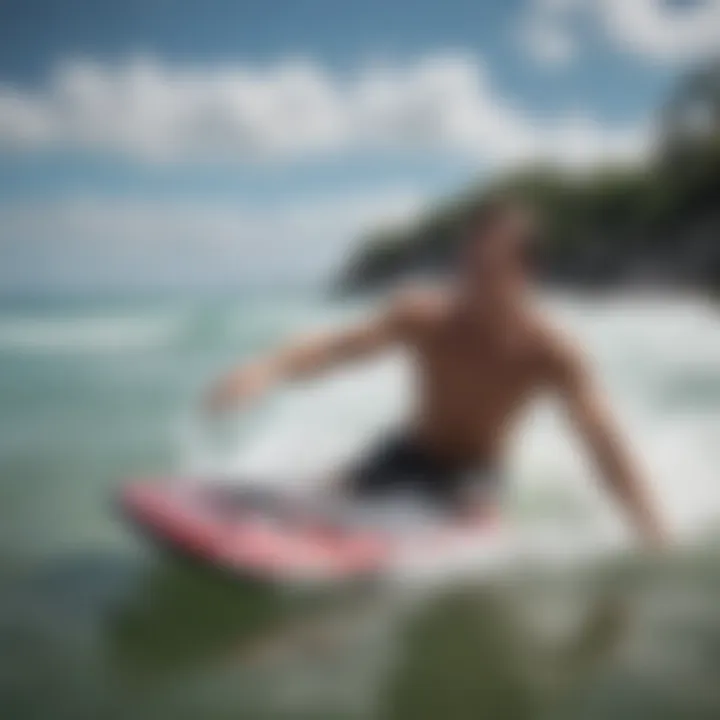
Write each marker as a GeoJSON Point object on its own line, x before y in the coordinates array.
{"type": "Point", "coordinates": [93, 624]}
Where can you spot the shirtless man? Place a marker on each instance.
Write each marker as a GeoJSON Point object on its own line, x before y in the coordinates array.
{"type": "Point", "coordinates": [482, 353]}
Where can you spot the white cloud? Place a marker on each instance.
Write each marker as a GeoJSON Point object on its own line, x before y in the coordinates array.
{"type": "Point", "coordinates": [547, 34]}
{"type": "Point", "coordinates": [93, 242]}
{"type": "Point", "coordinates": [661, 31]}
{"type": "Point", "coordinates": [553, 30]}
{"type": "Point", "coordinates": [294, 109]}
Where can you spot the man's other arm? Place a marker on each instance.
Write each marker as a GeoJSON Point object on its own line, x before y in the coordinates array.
{"type": "Point", "coordinates": [590, 415]}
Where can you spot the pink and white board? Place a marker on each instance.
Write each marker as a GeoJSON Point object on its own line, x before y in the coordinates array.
{"type": "Point", "coordinates": [271, 541]}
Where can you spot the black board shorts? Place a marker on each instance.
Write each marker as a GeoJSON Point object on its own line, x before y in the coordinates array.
{"type": "Point", "coordinates": [402, 465]}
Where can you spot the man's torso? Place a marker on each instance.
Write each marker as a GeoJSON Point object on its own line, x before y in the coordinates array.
{"type": "Point", "coordinates": [473, 380]}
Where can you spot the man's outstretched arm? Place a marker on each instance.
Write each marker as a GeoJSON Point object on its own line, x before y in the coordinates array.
{"type": "Point", "coordinates": [587, 407]}
{"type": "Point", "coordinates": [310, 356]}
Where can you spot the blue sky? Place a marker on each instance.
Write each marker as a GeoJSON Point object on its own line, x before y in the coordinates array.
{"type": "Point", "coordinates": [214, 143]}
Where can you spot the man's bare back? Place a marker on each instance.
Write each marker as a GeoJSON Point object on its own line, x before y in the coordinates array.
{"type": "Point", "coordinates": [481, 353]}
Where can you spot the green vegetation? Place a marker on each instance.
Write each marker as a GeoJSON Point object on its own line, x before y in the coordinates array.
{"type": "Point", "coordinates": [656, 223]}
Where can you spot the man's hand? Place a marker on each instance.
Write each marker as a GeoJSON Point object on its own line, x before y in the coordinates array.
{"type": "Point", "coordinates": [239, 387]}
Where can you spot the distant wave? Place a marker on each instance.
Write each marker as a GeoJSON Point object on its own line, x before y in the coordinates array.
{"type": "Point", "coordinates": [96, 334]}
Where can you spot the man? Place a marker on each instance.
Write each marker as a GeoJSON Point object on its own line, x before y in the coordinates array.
{"type": "Point", "coordinates": [482, 352]}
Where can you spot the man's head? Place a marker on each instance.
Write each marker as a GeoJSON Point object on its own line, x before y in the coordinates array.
{"type": "Point", "coordinates": [496, 248]}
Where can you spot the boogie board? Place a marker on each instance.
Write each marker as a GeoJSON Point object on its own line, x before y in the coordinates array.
{"type": "Point", "coordinates": [261, 535]}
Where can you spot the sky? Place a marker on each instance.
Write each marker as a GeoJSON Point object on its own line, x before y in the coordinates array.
{"type": "Point", "coordinates": [224, 144]}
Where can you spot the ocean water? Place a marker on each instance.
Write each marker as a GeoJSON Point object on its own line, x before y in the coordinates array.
{"type": "Point", "coordinates": [567, 621]}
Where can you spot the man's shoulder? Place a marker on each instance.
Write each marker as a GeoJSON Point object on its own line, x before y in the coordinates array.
{"type": "Point", "coordinates": [558, 354]}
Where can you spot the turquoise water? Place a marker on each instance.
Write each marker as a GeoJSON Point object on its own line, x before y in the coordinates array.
{"type": "Point", "coordinates": [93, 624]}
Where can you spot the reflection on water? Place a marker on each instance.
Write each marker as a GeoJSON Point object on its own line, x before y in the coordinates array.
{"type": "Point", "coordinates": [177, 618]}
{"type": "Point", "coordinates": [102, 637]}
